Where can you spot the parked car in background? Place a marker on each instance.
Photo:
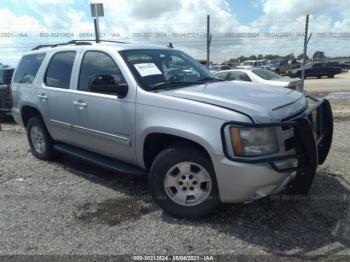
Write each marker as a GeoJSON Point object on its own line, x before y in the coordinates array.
{"type": "Point", "coordinates": [278, 66]}
{"type": "Point", "coordinates": [249, 64]}
{"type": "Point", "coordinates": [342, 66]}
{"type": "Point", "coordinates": [316, 70]}
{"type": "Point", "coordinates": [5, 91]}
{"type": "Point", "coordinates": [259, 75]}
{"type": "Point", "coordinates": [215, 68]}
{"type": "Point", "coordinates": [345, 65]}
{"type": "Point", "coordinates": [199, 141]}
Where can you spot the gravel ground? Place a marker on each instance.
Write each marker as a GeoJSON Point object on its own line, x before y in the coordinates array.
{"type": "Point", "coordinates": [71, 207]}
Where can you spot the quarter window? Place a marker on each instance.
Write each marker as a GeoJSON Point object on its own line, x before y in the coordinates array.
{"type": "Point", "coordinates": [98, 65]}
{"type": "Point", "coordinates": [28, 68]}
{"type": "Point", "coordinates": [59, 70]}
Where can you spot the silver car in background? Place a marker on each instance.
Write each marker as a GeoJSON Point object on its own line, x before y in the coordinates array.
{"type": "Point", "coordinates": [258, 75]}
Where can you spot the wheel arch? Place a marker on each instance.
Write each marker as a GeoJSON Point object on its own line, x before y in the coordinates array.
{"type": "Point", "coordinates": [27, 112]}
{"type": "Point", "coordinates": [157, 140]}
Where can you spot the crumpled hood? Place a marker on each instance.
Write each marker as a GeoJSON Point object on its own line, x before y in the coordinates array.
{"type": "Point", "coordinates": [261, 102]}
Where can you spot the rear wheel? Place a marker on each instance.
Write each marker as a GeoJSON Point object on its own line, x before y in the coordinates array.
{"type": "Point", "coordinates": [330, 76]}
{"type": "Point", "coordinates": [40, 141]}
{"type": "Point", "coordinates": [183, 183]}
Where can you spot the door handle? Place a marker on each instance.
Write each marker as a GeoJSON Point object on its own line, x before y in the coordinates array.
{"type": "Point", "coordinates": [79, 104]}
{"type": "Point", "coordinates": [43, 97]}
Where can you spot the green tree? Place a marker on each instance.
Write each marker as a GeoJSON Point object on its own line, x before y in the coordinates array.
{"type": "Point", "coordinates": [252, 57]}
{"type": "Point", "coordinates": [299, 57]}
{"type": "Point", "coordinates": [318, 55]}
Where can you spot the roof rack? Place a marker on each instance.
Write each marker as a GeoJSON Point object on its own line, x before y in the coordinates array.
{"type": "Point", "coordinates": [61, 44]}
{"type": "Point", "coordinates": [77, 42]}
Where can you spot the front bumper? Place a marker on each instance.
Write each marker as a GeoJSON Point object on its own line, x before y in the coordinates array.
{"type": "Point", "coordinates": [245, 179]}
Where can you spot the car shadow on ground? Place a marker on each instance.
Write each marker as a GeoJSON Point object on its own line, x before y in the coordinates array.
{"type": "Point", "coordinates": [281, 225]}
{"type": "Point", "coordinates": [291, 226]}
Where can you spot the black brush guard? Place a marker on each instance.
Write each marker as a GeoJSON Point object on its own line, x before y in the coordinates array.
{"type": "Point", "coordinates": [313, 132]}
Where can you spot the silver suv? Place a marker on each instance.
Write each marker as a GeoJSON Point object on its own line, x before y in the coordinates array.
{"type": "Point", "coordinates": [155, 111]}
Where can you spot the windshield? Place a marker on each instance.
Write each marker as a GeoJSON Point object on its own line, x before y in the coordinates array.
{"type": "Point", "coordinates": [309, 65]}
{"type": "Point", "coordinates": [157, 69]}
{"type": "Point", "coordinates": [274, 62]}
{"type": "Point", "coordinates": [266, 74]}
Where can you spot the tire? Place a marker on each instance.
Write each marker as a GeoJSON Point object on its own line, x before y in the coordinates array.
{"type": "Point", "coordinates": [43, 147]}
{"type": "Point", "coordinates": [301, 185]}
{"type": "Point", "coordinates": [165, 169]}
{"type": "Point", "coordinates": [331, 76]}
{"type": "Point", "coordinates": [318, 77]}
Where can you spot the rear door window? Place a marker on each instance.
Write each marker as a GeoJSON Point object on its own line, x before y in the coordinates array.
{"type": "Point", "coordinates": [59, 71]}
{"type": "Point", "coordinates": [28, 68]}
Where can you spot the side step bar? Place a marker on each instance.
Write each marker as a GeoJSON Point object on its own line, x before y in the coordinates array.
{"type": "Point", "coordinates": [102, 161]}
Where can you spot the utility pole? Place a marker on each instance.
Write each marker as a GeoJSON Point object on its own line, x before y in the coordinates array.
{"type": "Point", "coordinates": [208, 40]}
{"type": "Point", "coordinates": [97, 11]}
{"type": "Point", "coordinates": [306, 41]}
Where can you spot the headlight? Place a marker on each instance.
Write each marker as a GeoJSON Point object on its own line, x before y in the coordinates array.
{"type": "Point", "coordinates": [248, 141]}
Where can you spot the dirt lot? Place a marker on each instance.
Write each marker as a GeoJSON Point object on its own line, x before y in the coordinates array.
{"type": "Point", "coordinates": [70, 207]}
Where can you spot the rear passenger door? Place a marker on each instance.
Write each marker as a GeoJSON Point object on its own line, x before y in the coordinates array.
{"type": "Point", "coordinates": [103, 122]}
{"type": "Point", "coordinates": [55, 96]}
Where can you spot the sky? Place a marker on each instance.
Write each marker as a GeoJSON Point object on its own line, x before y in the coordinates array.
{"type": "Point", "coordinates": [238, 27]}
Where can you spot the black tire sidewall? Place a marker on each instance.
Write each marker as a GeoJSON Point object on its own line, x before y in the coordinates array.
{"type": "Point", "coordinates": [167, 159]}
{"type": "Point", "coordinates": [49, 152]}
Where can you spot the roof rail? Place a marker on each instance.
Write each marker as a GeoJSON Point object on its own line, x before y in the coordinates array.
{"type": "Point", "coordinates": [77, 42]}
{"type": "Point", "coordinates": [93, 40]}
{"type": "Point", "coordinates": [61, 44]}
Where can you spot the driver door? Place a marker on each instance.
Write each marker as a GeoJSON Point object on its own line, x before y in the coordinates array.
{"type": "Point", "coordinates": [103, 122]}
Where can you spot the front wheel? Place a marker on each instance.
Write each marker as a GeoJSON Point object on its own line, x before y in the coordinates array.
{"type": "Point", "coordinates": [183, 183]}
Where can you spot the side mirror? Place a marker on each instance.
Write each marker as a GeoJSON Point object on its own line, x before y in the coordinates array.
{"type": "Point", "coordinates": [106, 84]}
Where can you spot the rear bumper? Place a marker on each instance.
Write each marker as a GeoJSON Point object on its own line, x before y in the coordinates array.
{"type": "Point", "coordinates": [246, 179]}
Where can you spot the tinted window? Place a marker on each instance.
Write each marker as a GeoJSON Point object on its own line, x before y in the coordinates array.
{"type": "Point", "coordinates": [98, 64]}
{"type": "Point", "coordinates": [59, 70]}
{"type": "Point", "coordinates": [2, 76]}
{"type": "Point", "coordinates": [28, 67]}
{"type": "Point", "coordinates": [238, 76]}
{"type": "Point", "coordinates": [8, 76]}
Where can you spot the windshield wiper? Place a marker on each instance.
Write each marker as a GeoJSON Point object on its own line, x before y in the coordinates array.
{"type": "Point", "coordinates": [208, 79]}
{"type": "Point", "coordinates": [175, 84]}
{"type": "Point", "coordinates": [172, 84]}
